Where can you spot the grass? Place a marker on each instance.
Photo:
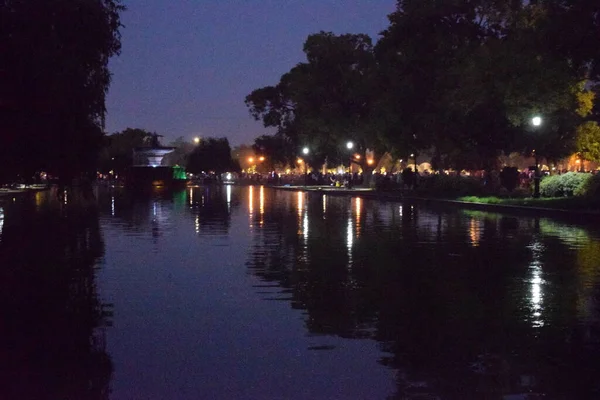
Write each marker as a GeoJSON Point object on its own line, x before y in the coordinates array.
{"type": "Point", "coordinates": [562, 203]}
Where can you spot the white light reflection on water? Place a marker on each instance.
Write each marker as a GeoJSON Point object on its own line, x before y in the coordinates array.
{"type": "Point", "coordinates": [191, 196]}
{"type": "Point", "coordinates": [251, 205]}
{"type": "Point", "coordinates": [305, 228]}
{"type": "Point", "coordinates": [228, 190]}
{"type": "Point", "coordinates": [302, 222]}
{"type": "Point", "coordinates": [536, 295]}
{"type": "Point", "coordinates": [303, 225]}
{"type": "Point", "coordinates": [112, 205]}
{"type": "Point", "coordinates": [349, 240]}
{"type": "Point", "coordinates": [324, 205]}
{"type": "Point", "coordinates": [1, 221]}
{"type": "Point", "coordinates": [358, 203]}
{"type": "Point", "coordinates": [261, 205]}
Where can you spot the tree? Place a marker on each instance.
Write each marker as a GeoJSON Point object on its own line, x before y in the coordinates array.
{"type": "Point", "coordinates": [180, 154]}
{"type": "Point", "coordinates": [276, 149]}
{"type": "Point", "coordinates": [325, 101]}
{"type": "Point", "coordinates": [588, 141]}
{"type": "Point", "coordinates": [466, 78]}
{"type": "Point", "coordinates": [54, 78]}
{"type": "Point", "coordinates": [117, 153]}
{"type": "Point", "coordinates": [212, 155]}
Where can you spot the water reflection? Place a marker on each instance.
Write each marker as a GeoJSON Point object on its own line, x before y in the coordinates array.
{"type": "Point", "coordinates": [1, 221]}
{"type": "Point", "coordinates": [52, 321]}
{"type": "Point", "coordinates": [251, 206]}
{"type": "Point", "coordinates": [536, 281]}
{"type": "Point", "coordinates": [440, 290]}
{"type": "Point", "coordinates": [456, 304]}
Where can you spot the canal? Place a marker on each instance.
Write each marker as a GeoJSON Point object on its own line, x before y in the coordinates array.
{"type": "Point", "coordinates": [254, 293]}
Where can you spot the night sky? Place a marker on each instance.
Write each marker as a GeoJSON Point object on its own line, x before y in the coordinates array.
{"type": "Point", "coordinates": [187, 65]}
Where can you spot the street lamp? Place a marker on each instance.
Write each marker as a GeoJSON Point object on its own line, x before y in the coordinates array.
{"type": "Point", "coordinates": [536, 122]}
{"type": "Point", "coordinates": [196, 140]}
{"type": "Point", "coordinates": [349, 145]}
{"type": "Point", "coordinates": [305, 151]}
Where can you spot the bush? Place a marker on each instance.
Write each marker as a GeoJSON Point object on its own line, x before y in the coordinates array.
{"type": "Point", "coordinates": [408, 177]}
{"type": "Point", "coordinates": [550, 186]}
{"type": "Point", "coordinates": [564, 185]}
{"type": "Point", "coordinates": [590, 187]}
{"type": "Point", "coordinates": [450, 186]}
{"type": "Point", "coordinates": [509, 178]}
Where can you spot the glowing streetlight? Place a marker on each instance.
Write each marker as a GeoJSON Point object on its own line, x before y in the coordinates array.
{"type": "Point", "coordinates": [370, 161]}
{"type": "Point", "coordinates": [357, 156]}
{"type": "Point", "coordinates": [305, 150]}
{"type": "Point", "coordinates": [196, 140]}
{"type": "Point", "coordinates": [250, 159]}
{"type": "Point", "coordinates": [349, 145]}
{"type": "Point", "coordinates": [536, 121]}
{"type": "Point", "coordinates": [261, 158]}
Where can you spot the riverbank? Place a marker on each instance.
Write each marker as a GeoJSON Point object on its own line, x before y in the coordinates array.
{"type": "Point", "coordinates": [567, 206]}
{"type": "Point", "coordinates": [4, 192]}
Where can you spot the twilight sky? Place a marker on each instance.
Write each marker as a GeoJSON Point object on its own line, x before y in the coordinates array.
{"type": "Point", "coordinates": [187, 65]}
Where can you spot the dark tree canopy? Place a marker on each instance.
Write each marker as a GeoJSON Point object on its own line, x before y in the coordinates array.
{"type": "Point", "coordinates": [276, 150]}
{"type": "Point", "coordinates": [325, 101]}
{"type": "Point", "coordinates": [117, 152]}
{"type": "Point", "coordinates": [460, 80]}
{"type": "Point", "coordinates": [53, 82]}
{"type": "Point", "coordinates": [212, 155]}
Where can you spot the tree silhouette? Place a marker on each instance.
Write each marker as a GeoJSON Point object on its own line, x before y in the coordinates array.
{"type": "Point", "coordinates": [53, 82]}
{"type": "Point", "coordinates": [52, 322]}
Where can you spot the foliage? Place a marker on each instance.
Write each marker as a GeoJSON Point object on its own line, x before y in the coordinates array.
{"type": "Point", "coordinates": [54, 78]}
{"type": "Point", "coordinates": [458, 80]}
{"type": "Point", "coordinates": [276, 149]}
{"type": "Point", "coordinates": [117, 153]}
{"type": "Point", "coordinates": [588, 141]}
{"type": "Point", "coordinates": [212, 155]}
{"type": "Point", "coordinates": [509, 178]}
{"type": "Point", "coordinates": [589, 187]}
{"type": "Point", "coordinates": [323, 102]}
{"type": "Point", "coordinates": [180, 154]}
{"type": "Point", "coordinates": [565, 185]}
{"type": "Point", "coordinates": [450, 186]}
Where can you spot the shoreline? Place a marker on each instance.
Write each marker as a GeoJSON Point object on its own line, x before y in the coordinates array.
{"type": "Point", "coordinates": [4, 193]}
{"type": "Point", "coordinates": [401, 196]}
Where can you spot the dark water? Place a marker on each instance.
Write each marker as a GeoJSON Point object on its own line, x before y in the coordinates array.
{"type": "Point", "coordinates": [251, 293]}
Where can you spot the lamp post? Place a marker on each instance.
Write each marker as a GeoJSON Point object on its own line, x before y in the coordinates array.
{"type": "Point", "coordinates": [305, 151]}
{"type": "Point", "coordinates": [536, 122]}
{"type": "Point", "coordinates": [196, 140]}
{"type": "Point", "coordinates": [349, 146]}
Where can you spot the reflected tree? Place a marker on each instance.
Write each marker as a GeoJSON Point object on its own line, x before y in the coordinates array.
{"type": "Point", "coordinates": [52, 322]}
{"type": "Point", "coordinates": [450, 297]}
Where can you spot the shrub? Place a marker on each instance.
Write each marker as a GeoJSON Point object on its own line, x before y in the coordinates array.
{"type": "Point", "coordinates": [590, 187]}
{"type": "Point", "coordinates": [550, 186]}
{"type": "Point", "coordinates": [564, 185]}
{"type": "Point", "coordinates": [509, 178]}
{"type": "Point", "coordinates": [408, 177]}
{"type": "Point", "coordinates": [450, 185]}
